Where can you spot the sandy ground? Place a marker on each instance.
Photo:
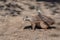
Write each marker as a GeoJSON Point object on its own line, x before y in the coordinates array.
{"type": "Point", "coordinates": [11, 26]}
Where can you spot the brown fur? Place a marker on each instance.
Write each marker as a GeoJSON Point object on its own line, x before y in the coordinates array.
{"type": "Point", "coordinates": [39, 22]}
{"type": "Point", "coordinates": [36, 20]}
{"type": "Point", "coordinates": [48, 20]}
{"type": "Point", "coordinates": [43, 22]}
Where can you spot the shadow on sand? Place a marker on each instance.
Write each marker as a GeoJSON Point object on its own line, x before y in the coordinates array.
{"type": "Point", "coordinates": [37, 27]}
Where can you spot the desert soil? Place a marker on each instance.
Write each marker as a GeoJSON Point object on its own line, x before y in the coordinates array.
{"type": "Point", "coordinates": [12, 24]}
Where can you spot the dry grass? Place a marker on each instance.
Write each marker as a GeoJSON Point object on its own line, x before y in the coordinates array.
{"type": "Point", "coordinates": [10, 26]}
